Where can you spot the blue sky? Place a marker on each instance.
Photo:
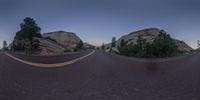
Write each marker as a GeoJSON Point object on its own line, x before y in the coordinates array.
{"type": "Point", "coordinates": [97, 21]}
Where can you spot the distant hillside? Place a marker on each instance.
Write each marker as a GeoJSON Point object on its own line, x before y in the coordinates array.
{"type": "Point", "coordinates": [149, 34]}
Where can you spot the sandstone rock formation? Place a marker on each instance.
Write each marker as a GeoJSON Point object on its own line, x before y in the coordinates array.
{"type": "Point", "coordinates": [49, 47]}
{"type": "Point", "coordinates": [182, 46]}
{"type": "Point", "coordinates": [67, 39]}
{"type": "Point", "coordinates": [149, 34]}
{"type": "Point", "coordinates": [52, 43]}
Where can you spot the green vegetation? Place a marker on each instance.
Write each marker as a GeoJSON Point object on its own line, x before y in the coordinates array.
{"type": "Point", "coordinates": [162, 46]}
{"type": "Point", "coordinates": [198, 49]}
{"type": "Point", "coordinates": [79, 46]}
{"type": "Point", "coordinates": [24, 39]}
{"type": "Point", "coordinates": [113, 44]}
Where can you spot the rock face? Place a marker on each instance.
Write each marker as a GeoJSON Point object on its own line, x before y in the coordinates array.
{"type": "Point", "coordinates": [52, 43]}
{"type": "Point", "coordinates": [88, 46]}
{"type": "Point", "coordinates": [67, 39]}
{"type": "Point", "coordinates": [149, 34]}
{"type": "Point", "coordinates": [46, 47]}
{"type": "Point", "coordinates": [182, 46]}
{"type": "Point", "coordinates": [49, 47]}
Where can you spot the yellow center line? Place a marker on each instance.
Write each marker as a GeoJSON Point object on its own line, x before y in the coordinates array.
{"type": "Point", "coordinates": [49, 65]}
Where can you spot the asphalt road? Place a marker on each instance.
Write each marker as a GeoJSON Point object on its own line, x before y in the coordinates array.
{"type": "Point", "coordinates": [102, 76]}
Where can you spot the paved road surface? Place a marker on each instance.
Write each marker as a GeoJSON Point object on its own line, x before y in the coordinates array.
{"type": "Point", "coordinates": [102, 76]}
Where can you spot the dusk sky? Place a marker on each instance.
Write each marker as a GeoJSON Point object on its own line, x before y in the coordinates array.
{"type": "Point", "coordinates": [97, 21]}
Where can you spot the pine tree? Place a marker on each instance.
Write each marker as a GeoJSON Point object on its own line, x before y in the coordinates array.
{"type": "Point", "coordinates": [29, 30]}
{"type": "Point", "coordinates": [113, 42]}
{"type": "Point", "coordinates": [4, 45]}
{"type": "Point", "coordinates": [79, 46]}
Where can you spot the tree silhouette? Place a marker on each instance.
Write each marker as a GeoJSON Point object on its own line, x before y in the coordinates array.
{"type": "Point", "coordinates": [113, 42]}
{"type": "Point", "coordinates": [4, 45]}
{"type": "Point", "coordinates": [79, 46]}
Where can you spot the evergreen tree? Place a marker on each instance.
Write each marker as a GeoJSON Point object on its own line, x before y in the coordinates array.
{"type": "Point", "coordinates": [113, 42]}
{"type": "Point", "coordinates": [122, 43]}
{"type": "Point", "coordinates": [4, 45]}
{"type": "Point", "coordinates": [29, 30]}
{"type": "Point", "coordinates": [123, 48]}
{"type": "Point", "coordinates": [79, 46]}
{"type": "Point", "coordinates": [164, 46]}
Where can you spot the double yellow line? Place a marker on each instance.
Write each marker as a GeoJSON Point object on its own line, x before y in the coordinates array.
{"type": "Point", "coordinates": [49, 65]}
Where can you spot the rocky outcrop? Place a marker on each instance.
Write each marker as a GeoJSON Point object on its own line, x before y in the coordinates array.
{"type": "Point", "coordinates": [67, 39]}
{"type": "Point", "coordinates": [149, 35]}
{"type": "Point", "coordinates": [48, 47]}
{"type": "Point", "coordinates": [182, 46]}
{"type": "Point", "coordinates": [50, 43]}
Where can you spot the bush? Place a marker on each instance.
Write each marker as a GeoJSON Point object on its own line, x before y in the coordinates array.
{"type": "Point", "coordinates": [164, 46]}
{"type": "Point", "coordinates": [79, 46]}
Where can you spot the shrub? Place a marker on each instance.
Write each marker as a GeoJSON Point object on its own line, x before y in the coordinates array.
{"type": "Point", "coordinates": [79, 46]}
